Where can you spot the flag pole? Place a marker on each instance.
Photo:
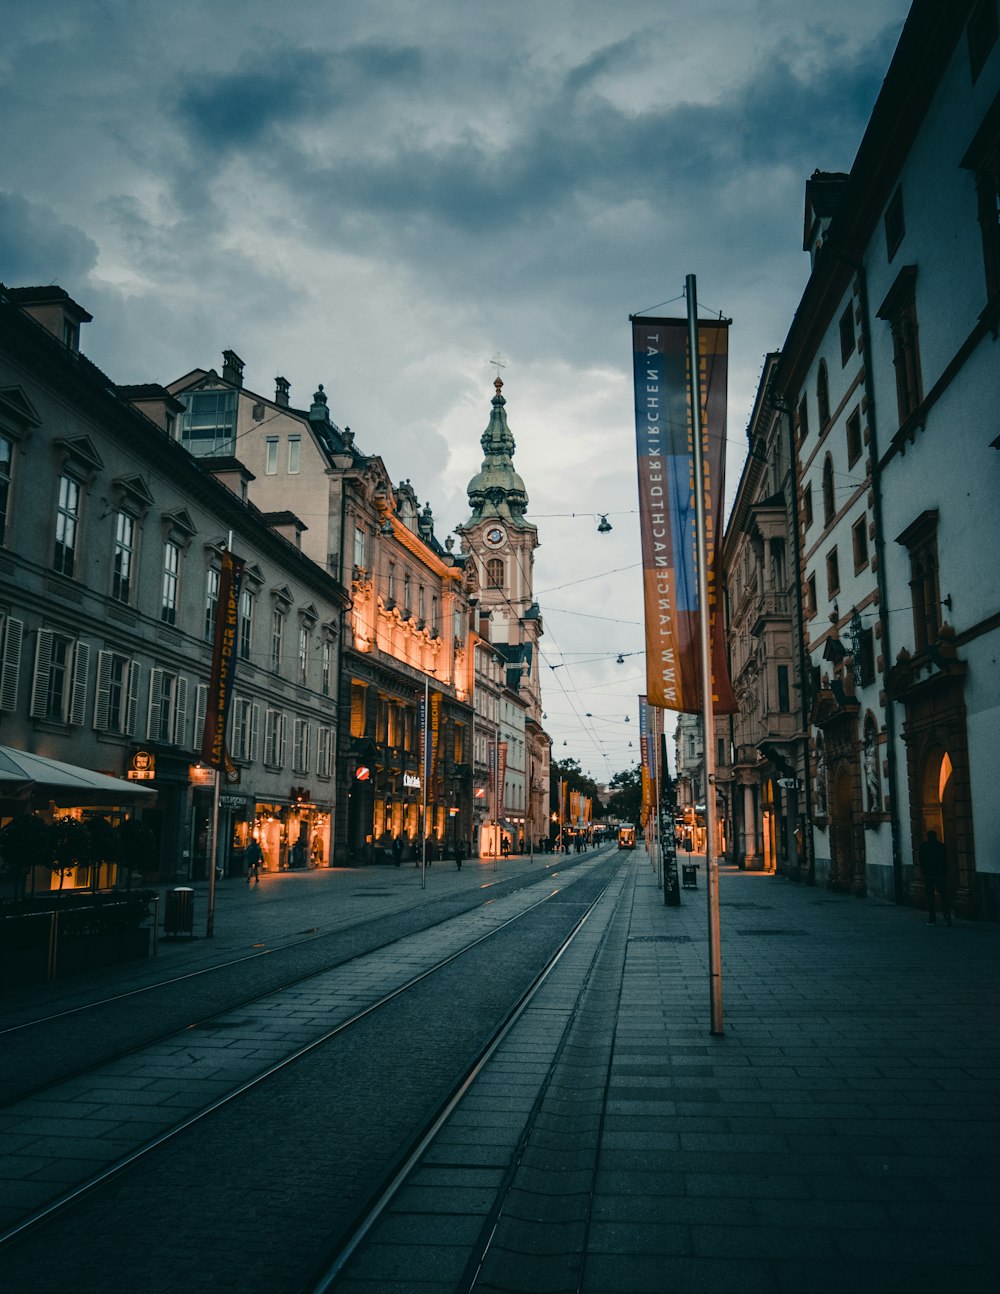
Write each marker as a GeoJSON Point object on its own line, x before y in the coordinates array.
{"type": "Point", "coordinates": [708, 723]}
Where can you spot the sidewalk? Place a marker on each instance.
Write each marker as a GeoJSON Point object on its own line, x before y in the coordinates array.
{"type": "Point", "coordinates": [844, 1132]}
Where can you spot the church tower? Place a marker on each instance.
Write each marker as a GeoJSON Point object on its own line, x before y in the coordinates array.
{"type": "Point", "coordinates": [502, 545]}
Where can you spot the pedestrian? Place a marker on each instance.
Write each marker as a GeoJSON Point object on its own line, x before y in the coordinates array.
{"type": "Point", "coordinates": [459, 854]}
{"type": "Point", "coordinates": [933, 860]}
{"type": "Point", "coordinates": [397, 850]}
{"type": "Point", "coordinates": [253, 857]}
{"type": "Point", "coordinates": [504, 846]}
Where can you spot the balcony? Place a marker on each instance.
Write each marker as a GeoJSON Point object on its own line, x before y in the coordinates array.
{"type": "Point", "coordinates": [770, 607]}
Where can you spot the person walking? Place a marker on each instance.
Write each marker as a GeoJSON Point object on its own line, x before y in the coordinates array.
{"type": "Point", "coordinates": [253, 857]}
{"type": "Point", "coordinates": [459, 854]}
{"type": "Point", "coordinates": [397, 850]}
{"type": "Point", "coordinates": [933, 860]}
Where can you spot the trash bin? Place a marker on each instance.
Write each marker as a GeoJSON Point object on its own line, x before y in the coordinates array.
{"type": "Point", "coordinates": [178, 911]}
{"type": "Point", "coordinates": [689, 876]}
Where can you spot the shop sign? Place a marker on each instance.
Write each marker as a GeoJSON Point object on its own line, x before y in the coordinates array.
{"type": "Point", "coordinates": [142, 767]}
{"type": "Point", "coordinates": [237, 802]}
{"type": "Point", "coordinates": [412, 781]}
{"type": "Point", "coordinates": [199, 775]}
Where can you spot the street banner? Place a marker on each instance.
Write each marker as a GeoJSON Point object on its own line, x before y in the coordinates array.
{"type": "Point", "coordinates": [647, 797]}
{"type": "Point", "coordinates": [574, 808]}
{"type": "Point", "coordinates": [501, 775]}
{"type": "Point", "coordinates": [220, 686]}
{"type": "Point", "coordinates": [435, 731]}
{"type": "Point", "coordinates": [664, 429]}
{"type": "Point", "coordinates": [492, 764]}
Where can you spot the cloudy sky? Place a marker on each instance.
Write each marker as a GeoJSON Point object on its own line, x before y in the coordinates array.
{"type": "Point", "coordinates": [380, 195]}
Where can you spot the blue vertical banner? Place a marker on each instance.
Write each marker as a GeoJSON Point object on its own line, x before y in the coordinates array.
{"type": "Point", "coordinates": [664, 428]}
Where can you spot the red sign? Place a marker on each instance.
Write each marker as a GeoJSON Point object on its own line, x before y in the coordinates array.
{"type": "Point", "coordinates": [362, 773]}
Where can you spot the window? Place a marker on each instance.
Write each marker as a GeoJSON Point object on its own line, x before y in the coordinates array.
{"type": "Point", "coordinates": [783, 702]}
{"type": "Point", "coordinates": [359, 548]}
{"type": "Point", "coordinates": [899, 309]}
{"type": "Point", "coordinates": [854, 437]}
{"type": "Point", "coordinates": [359, 695]}
{"type": "Point", "coordinates": [459, 755]}
{"type": "Point", "coordinates": [829, 506]}
{"type": "Point", "coordinates": [921, 540]}
{"type": "Point", "coordinates": [981, 34]}
{"type": "Point", "coordinates": [406, 594]}
{"type": "Point", "coordinates": [807, 505]}
{"type": "Point", "coordinates": [60, 683]}
{"type": "Point", "coordinates": [168, 590]}
{"type": "Point", "coordinates": [864, 666]}
{"type": "Point", "coordinates": [823, 394]}
{"type": "Point", "coordinates": [859, 543]}
{"type": "Point", "coordinates": [303, 654]}
{"type": "Point", "coordinates": [117, 693]}
{"type": "Point", "coordinates": [271, 456]}
{"type": "Point", "coordinates": [324, 752]}
{"type": "Point", "coordinates": [167, 707]}
{"type": "Point", "coordinates": [847, 334]}
{"type": "Point", "coordinates": [832, 573]}
{"type": "Point", "coordinates": [326, 681]}
{"type": "Point", "coordinates": [391, 585]}
{"type": "Point", "coordinates": [294, 454]}
{"type": "Point", "coordinates": [121, 578]}
{"type": "Point", "coordinates": [211, 603]}
{"type": "Point", "coordinates": [300, 746]}
{"type": "Point", "coordinates": [6, 463]}
{"type": "Point", "coordinates": [435, 617]}
{"type": "Point", "coordinates": [895, 225]}
{"type": "Point", "coordinates": [277, 638]}
{"type": "Point", "coordinates": [275, 739]}
{"type": "Point", "coordinates": [246, 728]}
{"type": "Point", "coordinates": [811, 595]}
{"type": "Point", "coordinates": [421, 613]}
{"type": "Point", "coordinates": [494, 573]}
{"type": "Point", "coordinates": [208, 424]}
{"type": "Point", "coordinates": [67, 523]}
{"type": "Point", "coordinates": [247, 601]}
{"type": "Point", "coordinates": [803, 419]}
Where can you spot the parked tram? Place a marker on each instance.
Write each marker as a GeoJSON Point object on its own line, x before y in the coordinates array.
{"type": "Point", "coordinates": [626, 836]}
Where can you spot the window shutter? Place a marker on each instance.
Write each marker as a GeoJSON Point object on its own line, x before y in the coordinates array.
{"type": "Point", "coordinates": [200, 708]}
{"type": "Point", "coordinates": [43, 662]}
{"type": "Point", "coordinates": [180, 711]}
{"type": "Point", "coordinates": [81, 671]}
{"type": "Point", "coordinates": [254, 733]}
{"type": "Point", "coordinates": [153, 720]}
{"type": "Point", "coordinates": [133, 698]}
{"type": "Point", "coordinates": [103, 694]}
{"type": "Point", "coordinates": [239, 728]}
{"type": "Point", "coordinates": [13, 633]}
{"type": "Point", "coordinates": [306, 742]}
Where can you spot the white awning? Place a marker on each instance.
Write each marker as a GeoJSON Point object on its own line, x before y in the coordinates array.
{"type": "Point", "coordinates": [38, 778]}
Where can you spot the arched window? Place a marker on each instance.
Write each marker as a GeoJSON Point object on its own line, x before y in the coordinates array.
{"type": "Point", "coordinates": [494, 573]}
{"type": "Point", "coordinates": [823, 394]}
{"type": "Point", "coordinates": [828, 502]}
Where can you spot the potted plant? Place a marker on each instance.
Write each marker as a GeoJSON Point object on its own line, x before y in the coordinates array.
{"type": "Point", "coordinates": [25, 842]}
{"type": "Point", "coordinates": [70, 846]}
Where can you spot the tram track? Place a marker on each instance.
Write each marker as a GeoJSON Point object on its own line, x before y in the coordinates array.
{"type": "Point", "coordinates": [419, 1092]}
{"type": "Point", "coordinates": [33, 1063]}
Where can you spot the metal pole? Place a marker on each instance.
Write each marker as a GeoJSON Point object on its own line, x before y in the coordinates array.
{"type": "Point", "coordinates": [708, 738]}
{"type": "Point", "coordinates": [213, 854]}
{"type": "Point", "coordinates": [657, 717]}
{"type": "Point", "coordinates": [423, 781]}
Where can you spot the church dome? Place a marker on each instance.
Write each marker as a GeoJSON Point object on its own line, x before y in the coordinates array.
{"type": "Point", "coordinates": [496, 489]}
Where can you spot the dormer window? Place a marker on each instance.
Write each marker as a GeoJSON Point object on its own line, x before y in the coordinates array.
{"type": "Point", "coordinates": [208, 424]}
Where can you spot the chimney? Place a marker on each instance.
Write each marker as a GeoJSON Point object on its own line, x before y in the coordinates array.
{"type": "Point", "coordinates": [232, 368]}
{"type": "Point", "coordinates": [281, 389]}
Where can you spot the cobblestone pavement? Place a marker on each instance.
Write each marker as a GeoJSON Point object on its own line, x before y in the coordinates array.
{"type": "Point", "coordinates": [842, 1134]}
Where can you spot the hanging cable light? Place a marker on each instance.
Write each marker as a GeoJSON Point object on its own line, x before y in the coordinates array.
{"type": "Point", "coordinates": [603, 526]}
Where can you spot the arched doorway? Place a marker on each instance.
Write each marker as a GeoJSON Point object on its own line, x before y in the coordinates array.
{"type": "Point", "coordinates": [937, 807]}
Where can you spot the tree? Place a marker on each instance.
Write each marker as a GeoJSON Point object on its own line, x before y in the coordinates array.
{"type": "Point", "coordinates": [570, 772]}
{"type": "Point", "coordinates": [26, 844]}
{"type": "Point", "coordinates": [70, 846]}
{"type": "Point", "coordinates": [626, 795]}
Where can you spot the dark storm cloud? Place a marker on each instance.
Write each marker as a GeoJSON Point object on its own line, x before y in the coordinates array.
{"type": "Point", "coordinates": [37, 247]}
{"type": "Point", "coordinates": [279, 87]}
